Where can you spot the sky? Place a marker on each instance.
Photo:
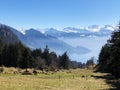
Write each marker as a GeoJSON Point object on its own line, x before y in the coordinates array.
{"type": "Point", "coordinates": [59, 13]}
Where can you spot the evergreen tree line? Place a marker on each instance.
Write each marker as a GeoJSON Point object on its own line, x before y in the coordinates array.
{"type": "Point", "coordinates": [109, 57]}
{"type": "Point", "coordinates": [17, 55]}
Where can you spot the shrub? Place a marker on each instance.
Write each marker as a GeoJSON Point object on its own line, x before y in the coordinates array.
{"type": "Point", "coordinates": [26, 73]}
{"type": "Point", "coordinates": [1, 69]}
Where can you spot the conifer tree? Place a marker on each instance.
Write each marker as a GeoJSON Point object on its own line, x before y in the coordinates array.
{"type": "Point", "coordinates": [109, 58]}
{"type": "Point", "coordinates": [64, 61]}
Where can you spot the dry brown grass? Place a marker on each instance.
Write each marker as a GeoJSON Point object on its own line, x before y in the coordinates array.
{"type": "Point", "coordinates": [62, 80]}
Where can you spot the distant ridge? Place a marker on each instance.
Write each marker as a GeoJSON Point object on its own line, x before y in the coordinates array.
{"type": "Point", "coordinates": [72, 32]}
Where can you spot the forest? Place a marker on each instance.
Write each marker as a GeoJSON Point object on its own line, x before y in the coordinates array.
{"type": "Point", "coordinates": [18, 55]}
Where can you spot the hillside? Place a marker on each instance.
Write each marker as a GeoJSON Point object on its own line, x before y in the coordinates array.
{"type": "Point", "coordinates": [7, 36]}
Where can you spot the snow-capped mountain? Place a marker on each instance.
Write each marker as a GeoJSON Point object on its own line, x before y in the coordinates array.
{"type": "Point", "coordinates": [93, 28]}
{"type": "Point", "coordinates": [70, 32]}
{"type": "Point", "coordinates": [37, 39]}
{"type": "Point", "coordinates": [75, 30]}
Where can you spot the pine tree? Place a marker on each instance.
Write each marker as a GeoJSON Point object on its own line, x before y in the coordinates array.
{"type": "Point", "coordinates": [115, 53]}
{"type": "Point", "coordinates": [45, 56]}
{"type": "Point", "coordinates": [12, 56]}
{"type": "Point", "coordinates": [37, 53]}
{"type": "Point", "coordinates": [26, 61]}
{"type": "Point", "coordinates": [109, 58]}
{"type": "Point", "coordinates": [53, 62]}
{"type": "Point", "coordinates": [90, 62]}
{"type": "Point", "coordinates": [4, 56]}
{"type": "Point", "coordinates": [64, 61]}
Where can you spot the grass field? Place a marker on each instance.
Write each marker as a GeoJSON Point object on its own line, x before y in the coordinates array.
{"type": "Point", "coordinates": [78, 79]}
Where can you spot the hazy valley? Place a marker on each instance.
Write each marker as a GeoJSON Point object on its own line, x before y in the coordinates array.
{"type": "Point", "coordinates": [80, 43]}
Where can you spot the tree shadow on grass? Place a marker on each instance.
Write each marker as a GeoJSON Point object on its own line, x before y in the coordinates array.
{"type": "Point", "coordinates": [110, 80]}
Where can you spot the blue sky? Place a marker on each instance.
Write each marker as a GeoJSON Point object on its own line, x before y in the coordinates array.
{"type": "Point", "coordinates": [59, 13]}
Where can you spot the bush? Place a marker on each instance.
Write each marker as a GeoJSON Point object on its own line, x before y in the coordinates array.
{"type": "Point", "coordinates": [35, 72]}
{"type": "Point", "coordinates": [1, 69]}
{"type": "Point", "coordinates": [26, 73]}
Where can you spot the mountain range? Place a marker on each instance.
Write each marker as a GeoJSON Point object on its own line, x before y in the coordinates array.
{"type": "Point", "coordinates": [92, 31]}
{"type": "Point", "coordinates": [78, 42]}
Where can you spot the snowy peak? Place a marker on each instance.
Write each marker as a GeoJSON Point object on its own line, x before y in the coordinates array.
{"type": "Point", "coordinates": [109, 27]}
{"type": "Point", "coordinates": [71, 29]}
{"type": "Point", "coordinates": [93, 28]}
{"type": "Point", "coordinates": [75, 30]}
{"type": "Point", "coordinates": [91, 31]}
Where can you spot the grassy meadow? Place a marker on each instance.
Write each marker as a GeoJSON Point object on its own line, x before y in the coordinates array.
{"type": "Point", "coordinates": [77, 79]}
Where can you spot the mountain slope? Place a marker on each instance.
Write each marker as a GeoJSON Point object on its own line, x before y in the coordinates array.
{"type": "Point", "coordinates": [7, 36]}
{"type": "Point", "coordinates": [38, 40]}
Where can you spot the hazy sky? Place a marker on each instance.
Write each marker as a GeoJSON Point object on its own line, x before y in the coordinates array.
{"type": "Point", "coordinates": [59, 13]}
